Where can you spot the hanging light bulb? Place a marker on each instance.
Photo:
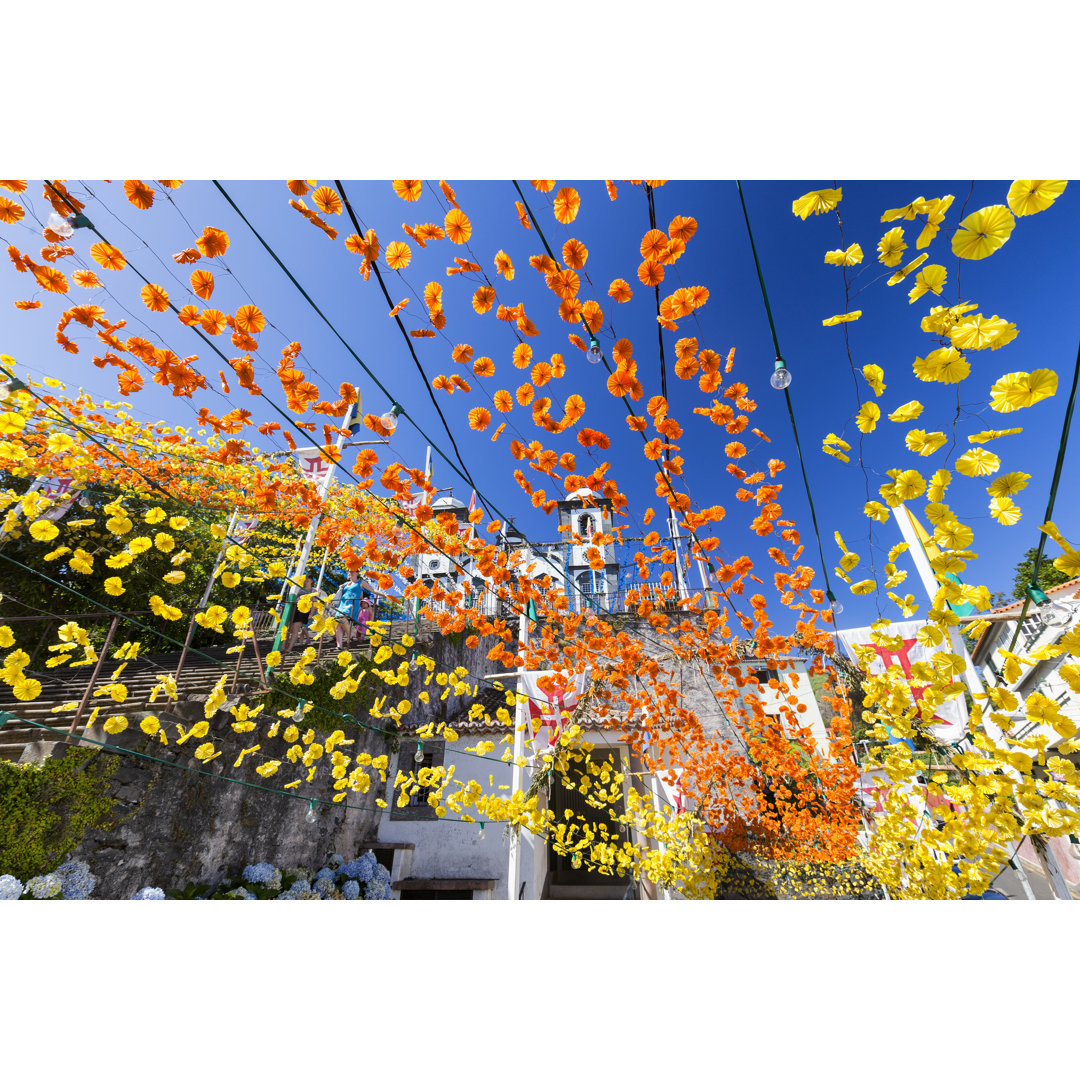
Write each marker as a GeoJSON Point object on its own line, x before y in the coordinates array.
{"type": "Point", "coordinates": [389, 419]}
{"type": "Point", "coordinates": [834, 605]}
{"type": "Point", "coordinates": [594, 354]}
{"type": "Point", "coordinates": [5, 390]}
{"type": "Point", "coordinates": [60, 225]}
{"type": "Point", "coordinates": [418, 757]}
{"type": "Point", "coordinates": [85, 503]}
{"type": "Point", "coordinates": [312, 816]}
{"type": "Point", "coordinates": [780, 379]}
{"type": "Point", "coordinates": [298, 713]}
{"type": "Point", "coordinates": [575, 860]}
{"type": "Point", "coordinates": [1049, 612]}
{"type": "Point", "coordinates": [481, 837]}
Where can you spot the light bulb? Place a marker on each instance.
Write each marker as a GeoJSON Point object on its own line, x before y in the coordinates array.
{"type": "Point", "coordinates": [1054, 615]}
{"type": "Point", "coordinates": [60, 225]}
{"type": "Point", "coordinates": [575, 860]}
{"type": "Point", "coordinates": [481, 837]}
{"type": "Point", "coordinates": [594, 354]}
{"type": "Point", "coordinates": [834, 605]}
{"type": "Point", "coordinates": [389, 419]}
{"type": "Point", "coordinates": [418, 757]}
{"type": "Point", "coordinates": [311, 816]}
{"type": "Point", "coordinates": [85, 503]}
{"type": "Point", "coordinates": [780, 379]}
{"type": "Point", "coordinates": [5, 390]}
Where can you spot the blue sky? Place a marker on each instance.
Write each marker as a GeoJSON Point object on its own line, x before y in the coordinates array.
{"type": "Point", "coordinates": [1031, 281]}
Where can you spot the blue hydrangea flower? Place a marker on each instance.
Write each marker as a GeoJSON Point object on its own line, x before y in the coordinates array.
{"type": "Point", "coordinates": [387, 892]}
{"type": "Point", "coordinates": [325, 874]}
{"type": "Point", "coordinates": [240, 893]}
{"type": "Point", "coordinates": [336, 860]}
{"type": "Point", "coordinates": [44, 887]}
{"type": "Point", "coordinates": [362, 869]}
{"type": "Point", "coordinates": [324, 886]}
{"type": "Point", "coordinates": [351, 890]}
{"type": "Point", "coordinates": [373, 890]}
{"type": "Point", "coordinates": [76, 881]}
{"type": "Point", "coordinates": [300, 890]}
{"type": "Point", "coordinates": [263, 873]}
{"type": "Point", "coordinates": [151, 893]}
{"type": "Point", "coordinates": [11, 888]}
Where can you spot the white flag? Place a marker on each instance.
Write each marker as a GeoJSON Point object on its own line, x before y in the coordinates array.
{"type": "Point", "coordinates": [548, 709]}
{"type": "Point", "coordinates": [951, 716]}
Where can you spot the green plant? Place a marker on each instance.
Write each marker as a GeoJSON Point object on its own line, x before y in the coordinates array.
{"type": "Point", "coordinates": [328, 712]}
{"type": "Point", "coordinates": [46, 809]}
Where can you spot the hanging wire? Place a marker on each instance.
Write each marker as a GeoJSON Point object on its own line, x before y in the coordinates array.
{"type": "Point", "coordinates": [787, 395]}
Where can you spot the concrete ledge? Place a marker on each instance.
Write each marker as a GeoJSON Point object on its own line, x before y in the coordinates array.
{"type": "Point", "coordinates": [444, 884]}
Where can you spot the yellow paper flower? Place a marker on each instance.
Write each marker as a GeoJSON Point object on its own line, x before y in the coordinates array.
{"type": "Point", "coordinates": [817, 202]}
{"type": "Point", "coordinates": [928, 279]}
{"type": "Point", "coordinates": [891, 247]}
{"type": "Point", "coordinates": [140, 544]}
{"type": "Point", "coordinates": [1033, 196]}
{"type": "Point", "coordinates": [7, 638]}
{"type": "Point", "coordinates": [178, 522]}
{"type": "Point", "coordinates": [1003, 509]}
{"type": "Point", "coordinates": [114, 586]}
{"type": "Point", "coordinates": [875, 377]}
{"type": "Point", "coordinates": [953, 535]}
{"type": "Point", "coordinates": [938, 483]}
{"type": "Point", "coordinates": [978, 462]}
{"type": "Point", "coordinates": [115, 724]}
{"type": "Point", "coordinates": [905, 270]}
{"type": "Point", "coordinates": [230, 580]}
{"type": "Point", "coordinates": [876, 510]}
{"type": "Point", "coordinates": [118, 525]}
{"type": "Point", "coordinates": [908, 484]}
{"type": "Point", "coordinates": [834, 446]}
{"type": "Point", "coordinates": [174, 577]}
{"type": "Point", "coordinates": [205, 752]}
{"type": "Point", "coordinates": [986, 436]}
{"type": "Point", "coordinates": [850, 257]}
{"type": "Point", "coordinates": [867, 417]}
{"type": "Point", "coordinates": [982, 233]}
{"type": "Point", "coordinates": [150, 725]}
{"type": "Point", "coordinates": [977, 332]}
{"type": "Point", "coordinates": [1021, 389]}
{"type": "Point", "coordinates": [935, 216]}
{"type": "Point", "coordinates": [119, 560]}
{"type": "Point", "coordinates": [836, 320]}
{"type": "Point", "coordinates": [154, 515]}
{"type": "Point", "coordinates": [911, 411]}
{"type": "Point", "coordinates": [44, 531]}
{"type": "Point", "coordinates": [942, 365]}
{"type": "Point", "coordinates": [27, 689]}
{"type": "Point", "coordinates": [864, 587]}
{"type": "Point", "coordinates": [1011, 483]}
{"type": "Point", "coordinates": [925, 443]}
{"type": "Point", "coordinates": [164, 541]}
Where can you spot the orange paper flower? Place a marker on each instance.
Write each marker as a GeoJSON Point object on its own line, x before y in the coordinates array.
{"type": "Point", "coordinates": [567, 204]}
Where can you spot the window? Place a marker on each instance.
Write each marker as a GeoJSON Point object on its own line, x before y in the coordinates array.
{"type": "Point", "coordinates": [763, 675]}
{"type": "Point", "coordinates": [1032, 628]}
{"type": "Point", "coordinates": [417, 808]}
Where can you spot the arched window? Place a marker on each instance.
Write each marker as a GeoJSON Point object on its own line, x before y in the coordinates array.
{"type": "Point", "coordinates": [586, 526]}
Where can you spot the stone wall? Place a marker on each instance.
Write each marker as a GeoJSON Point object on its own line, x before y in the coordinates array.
{"type": "Point", "coordinates": [179, 825]}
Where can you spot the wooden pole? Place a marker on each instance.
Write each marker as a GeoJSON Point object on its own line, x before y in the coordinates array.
{"type": "Point", "coordinates": [93, 678]}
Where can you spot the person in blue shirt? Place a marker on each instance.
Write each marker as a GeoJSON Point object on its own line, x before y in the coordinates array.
{"type": "Point", "coordinates": [348, 600]}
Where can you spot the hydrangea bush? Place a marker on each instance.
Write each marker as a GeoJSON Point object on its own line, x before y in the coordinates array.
{"type": "Point", "coordinates": [362, 878]}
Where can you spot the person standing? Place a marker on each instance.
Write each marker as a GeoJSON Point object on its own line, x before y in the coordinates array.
{"type": "Point", "coordinates": [352, 594]}
{"type": "Point", "coordinates": [298, 622]}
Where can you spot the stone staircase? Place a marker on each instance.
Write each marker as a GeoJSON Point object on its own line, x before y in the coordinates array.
{"type": "Point", "coordinates": [63, 687]}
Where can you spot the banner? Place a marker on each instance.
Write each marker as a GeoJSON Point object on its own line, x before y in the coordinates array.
{"type": "Point", "coordinates": [57, 488]}
{"type": "Point", "coordinates": [546, 707]}
{"type": "Point", "coordinates": [314, 465]}
{"type": "Point", "coordinates": [951, 716]}
{"type": "Point", "coordinates": [242, 528]}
